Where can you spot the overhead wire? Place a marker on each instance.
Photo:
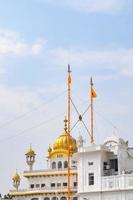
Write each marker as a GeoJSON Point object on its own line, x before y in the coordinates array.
{"type": "Point", "coordinates": [107, 120]}
{"type": "Point", "coordinates": [19, 116]}
{"type": "Point", "coordinates": [20, 133]}
{"type": "Point", "coordinates": [82, 100]}
{"type": "Point", "coordinates": [51, 119]}
{"type": "Point", "coordinates": [103, 117]}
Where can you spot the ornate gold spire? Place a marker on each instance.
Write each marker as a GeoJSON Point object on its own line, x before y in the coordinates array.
{"type": "Point", "coordinates": [65, 124]}
{"type": "Point", "coordinates": [30, 152]}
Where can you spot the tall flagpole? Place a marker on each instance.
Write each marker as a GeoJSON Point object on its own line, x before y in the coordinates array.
{"type": "Point", "coordinates": [69, 91]}
{"type": "Point", "coordinates": [91, 128]}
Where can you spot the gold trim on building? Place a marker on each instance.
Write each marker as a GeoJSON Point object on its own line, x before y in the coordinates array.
{"type": "Point", "coordinates": [29, 174]}
{"type": "Point", "coordinates": [40, 192]}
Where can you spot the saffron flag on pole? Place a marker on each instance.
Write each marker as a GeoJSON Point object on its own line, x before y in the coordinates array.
{"type": "Point", "coordinates": [93, 93]}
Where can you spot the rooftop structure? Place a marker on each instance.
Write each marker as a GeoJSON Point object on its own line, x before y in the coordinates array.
{"type": "Point", "coordinates": [105, 171]}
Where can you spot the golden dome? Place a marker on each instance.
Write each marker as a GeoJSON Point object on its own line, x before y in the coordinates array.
{"type": "Point", "coordinates": [16, 177]}
{"type": "Point", "coordinates": [60, 146]}
{"type": "Point", "coordinates": [30, 152]}
{"type": "Point", "coordinates": [62, 143]}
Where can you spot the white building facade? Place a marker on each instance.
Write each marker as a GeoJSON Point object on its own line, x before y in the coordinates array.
{"type": "Point", "coordinates": [105, 172]}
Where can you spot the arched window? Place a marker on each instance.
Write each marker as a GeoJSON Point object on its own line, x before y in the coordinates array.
{"type": "Point", "coordinates": [46, 198]}
{"type": "Point", "coordinates": [53, 165]}
{"type": "Point", "coordinates": [54, 198]}
{"type": "Point", "coordinates": [59, 165]}
{"type": "Point", "coordinates": [65, 164]}
{"type": "Point", "coordinates": [63, 198]}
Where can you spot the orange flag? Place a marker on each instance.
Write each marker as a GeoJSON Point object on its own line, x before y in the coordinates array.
{"type": "Point", "coordinates": [93, 93]}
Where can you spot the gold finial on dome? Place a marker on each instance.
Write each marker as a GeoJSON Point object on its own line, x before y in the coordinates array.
{"type": "Point", "coordinates": [30, 152]}
{"type": "Point", "coordinates": [65, 124]}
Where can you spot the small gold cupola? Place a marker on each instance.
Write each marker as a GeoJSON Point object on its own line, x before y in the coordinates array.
{"type": "Point", "coordinates": [16, 180]}
{"type": "Point", "coordinates": [30, 158]}
{"type": "Point", "coordinates": [60, 145]}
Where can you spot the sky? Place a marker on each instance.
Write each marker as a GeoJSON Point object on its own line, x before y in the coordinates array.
{"type": "Point", "coordinates": [38, 38]}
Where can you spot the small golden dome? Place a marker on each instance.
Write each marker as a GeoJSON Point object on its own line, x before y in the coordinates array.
{"type": "Point", "coordinates": [16, 177]}
{"type": "Point", "coordinates": [30, 152]}
{"type": "Point", "coordinates": [60, 146]}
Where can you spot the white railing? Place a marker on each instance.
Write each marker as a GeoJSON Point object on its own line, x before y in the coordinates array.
{"type": "Point", "coordinates": [109, 183]}
{"type": "Point", "coordinates": [124, 181]}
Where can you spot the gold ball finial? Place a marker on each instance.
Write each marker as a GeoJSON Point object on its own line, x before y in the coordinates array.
{"type": "Point", "coordinates": [65, 124]}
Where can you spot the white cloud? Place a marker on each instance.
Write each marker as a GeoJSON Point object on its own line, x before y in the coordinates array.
{"type": "Point", "coordinates": [16, 100]}
{"type": "Point", "coordinates": [38, 46]}
{"type": "Point", "coordinates": [2, 70]}
{"type": "Point", "coordinates": [11, 43]}
{"type": "Point", "coordinates": [92, 6]}
{"type": "Point", "coordinates": [19, 98]}
{"type": "Point", "coordinates": [120, 60]}
{"type": "Point", "coordinates": [96, 5]}
{"type": "Point", "coordinates": [127, 72]}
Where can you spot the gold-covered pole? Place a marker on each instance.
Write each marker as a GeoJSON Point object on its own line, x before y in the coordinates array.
{"type": "Point", "coordinates": [69, 153]}
{"type": "Point", "coordinates": [91, 125]}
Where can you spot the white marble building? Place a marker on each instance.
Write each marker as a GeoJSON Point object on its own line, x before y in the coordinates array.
{"type": "Point", "coordinates": [105, 172]}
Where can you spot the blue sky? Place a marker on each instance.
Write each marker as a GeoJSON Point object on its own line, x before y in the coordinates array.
{"type": "Point", "coordinates": [38, 38]}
